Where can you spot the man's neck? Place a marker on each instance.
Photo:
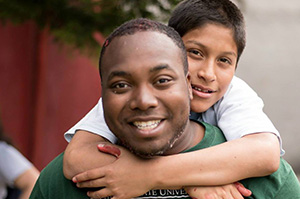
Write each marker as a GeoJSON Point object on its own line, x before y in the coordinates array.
{"type": "Point", "coordinates": [192, 135]}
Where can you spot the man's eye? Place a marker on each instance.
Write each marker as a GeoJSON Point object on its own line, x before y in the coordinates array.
{"type": "Point", "coordinates": [121, 85]}
{"type": "Point", "coordinates": [161, 81]}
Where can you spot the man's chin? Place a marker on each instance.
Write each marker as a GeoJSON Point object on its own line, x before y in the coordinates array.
{"type": "Point", "coordinates": [148, 154]}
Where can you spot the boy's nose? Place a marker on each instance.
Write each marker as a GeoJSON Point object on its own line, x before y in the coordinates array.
{"type": "Point", "coordinates": [207, 72]}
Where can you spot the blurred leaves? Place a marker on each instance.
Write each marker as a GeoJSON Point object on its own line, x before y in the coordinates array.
{"type": "Point", "coordinates": [75, 21]}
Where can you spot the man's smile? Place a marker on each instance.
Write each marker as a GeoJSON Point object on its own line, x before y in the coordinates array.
{"type": "Point", "coordinates": [146, 125]}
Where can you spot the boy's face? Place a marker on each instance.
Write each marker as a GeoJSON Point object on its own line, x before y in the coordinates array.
{"type": "Point", "coordinates": [212, 57]}
{"type": "Point", "coordinates": [145, 93]}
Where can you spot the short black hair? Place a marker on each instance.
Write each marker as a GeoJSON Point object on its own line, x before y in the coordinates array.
{"type": "Point", "coordinates": [142, 25]}
{"type": "Point", "coordinates": [191, 14]}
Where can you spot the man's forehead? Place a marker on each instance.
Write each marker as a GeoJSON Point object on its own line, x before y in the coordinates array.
{"type": "Point", "coordinates": [143, 39]}
{"type": "Point", "coordinates": [148, 45]}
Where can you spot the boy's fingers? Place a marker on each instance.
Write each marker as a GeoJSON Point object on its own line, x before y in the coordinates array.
{"type": "Point", "coordinates": [107, 148]}
{"type": "Point", "coordinates": [102, 193]}
{"type": "Point", "coordinates": [88, 175]}
{"type": "Point", "coordinates": [244, 191]}
{"type": "Point", "coordinates": [91, 183]}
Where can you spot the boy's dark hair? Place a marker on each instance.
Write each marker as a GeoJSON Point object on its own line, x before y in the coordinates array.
{"type": "Point", "coordinates": [192, 14]}
{"type": "Point", "coordinates": [144, 25]}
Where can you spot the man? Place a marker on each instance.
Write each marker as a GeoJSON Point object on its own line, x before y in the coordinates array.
{"type": "Point", "coordinates": [146, 101]}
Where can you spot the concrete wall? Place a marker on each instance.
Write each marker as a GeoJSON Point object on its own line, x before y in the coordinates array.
{"type": "Point", "coordinates": [271, 65]}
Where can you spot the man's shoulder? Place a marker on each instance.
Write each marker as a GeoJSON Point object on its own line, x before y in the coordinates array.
{"type": "Point", "coordinates": [282, 184]}
{"type": "Point", "coordinates": [53, 184]}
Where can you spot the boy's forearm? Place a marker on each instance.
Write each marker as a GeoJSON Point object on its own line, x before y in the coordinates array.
{"type": "Point", "coordinates": [251, 156]}
{"type": "Point", "coordinates": [82, 154]}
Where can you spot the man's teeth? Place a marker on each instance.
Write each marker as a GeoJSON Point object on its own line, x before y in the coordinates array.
{"type": "Point", "coordinates": [146, 125]}
{"type": "Point", "coordinates": [202, 90]}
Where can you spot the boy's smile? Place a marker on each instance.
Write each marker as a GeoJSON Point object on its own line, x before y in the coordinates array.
{"type": "Point", "coordinates": [212, 57]}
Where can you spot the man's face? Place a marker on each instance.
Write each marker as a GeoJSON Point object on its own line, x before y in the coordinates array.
{"type": "Point", "coordinates": [212, 57]}
{"type": "Point", "coordinates": [145, 92]}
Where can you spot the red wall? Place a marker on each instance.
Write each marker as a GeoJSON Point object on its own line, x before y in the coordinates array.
{"type": "Point", "coordinates": [45, 88]}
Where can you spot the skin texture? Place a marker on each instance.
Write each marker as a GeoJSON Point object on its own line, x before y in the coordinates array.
{"type": "Point", "coordinates": [226, 163]}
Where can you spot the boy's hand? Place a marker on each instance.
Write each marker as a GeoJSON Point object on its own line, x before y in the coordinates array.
{"type": "Point", "coordinates": [230, 191]}
{"type": "Point", "coordinates": [125, 178]}
{"type": "Point", "coordinates": [109, 149]}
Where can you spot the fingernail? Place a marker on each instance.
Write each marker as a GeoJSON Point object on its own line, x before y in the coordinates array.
{"type": "Point", "coordinates": [74, 180]}
{"type": "Point", "coordinates": [101, 145]}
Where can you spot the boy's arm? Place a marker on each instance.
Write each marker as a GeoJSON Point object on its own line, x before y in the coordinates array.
{"type": "Point", "coordinates": [251, 156]}
{"type": "Point", "coordinates": [82, 154]}
{"type": "Point", "coordinates": [221, 164]}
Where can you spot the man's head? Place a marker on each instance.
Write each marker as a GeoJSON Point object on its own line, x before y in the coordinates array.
{"type": "Point", "coordinates": [192, 14]}
{"type": "Point", "coordinates": [145, 87]}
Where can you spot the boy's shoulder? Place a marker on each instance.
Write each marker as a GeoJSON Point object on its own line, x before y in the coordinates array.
{"type": "Point", "coordinates": [238, 87]}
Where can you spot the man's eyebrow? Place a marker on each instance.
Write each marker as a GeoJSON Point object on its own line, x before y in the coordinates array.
{"type": "Point", "coordinates": [160, 67]}
{"type": "Point", "coordinates": [118, 74]}
{"type": "Point", "coordinates": [203, 46]}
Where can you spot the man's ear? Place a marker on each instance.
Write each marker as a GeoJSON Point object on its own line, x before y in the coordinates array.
{"type": "Point", "coordinates": [188, 80]}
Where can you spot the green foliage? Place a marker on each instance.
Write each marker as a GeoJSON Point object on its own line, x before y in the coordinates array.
{"type": "Point", "coordinates": [75, 21]}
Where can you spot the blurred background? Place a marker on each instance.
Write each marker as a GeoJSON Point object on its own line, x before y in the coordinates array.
{"type": "Point", "coordinates": [48, 65]}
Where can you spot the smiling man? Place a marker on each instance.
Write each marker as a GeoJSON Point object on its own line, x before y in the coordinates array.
{"type": "Point", "coordinates": [146, 94]}
{"type": "Point", "coordinates": [146, 97]}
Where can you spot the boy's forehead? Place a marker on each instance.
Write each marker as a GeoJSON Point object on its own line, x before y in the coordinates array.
{"type": "Point", "coordinates": [210, 32]}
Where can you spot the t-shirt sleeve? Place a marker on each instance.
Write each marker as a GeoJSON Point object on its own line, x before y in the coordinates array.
{"type": "Point", "coordinates": [240, 112]}
{"type": "Point", "coordinates": [12, 163]}
{"type": "Point", "coordinates": [92, 122]}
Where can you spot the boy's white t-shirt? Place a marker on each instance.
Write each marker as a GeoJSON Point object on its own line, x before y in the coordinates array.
{"type": "Point", "coordinates": [238, 113]}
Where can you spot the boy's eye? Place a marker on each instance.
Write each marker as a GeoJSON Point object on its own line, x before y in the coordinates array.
{"type": "Point", "coordinates": [195, 52]}
{"type": "Point", "coordinates": [225, 60]}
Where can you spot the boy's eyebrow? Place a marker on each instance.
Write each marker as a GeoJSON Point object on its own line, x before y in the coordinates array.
{"type": "Point", "coordinates": [203, 46]}
{"type": "Point", "coordinates": [230, 53]}
{"type": "Point", "coordinates": [197, 43]}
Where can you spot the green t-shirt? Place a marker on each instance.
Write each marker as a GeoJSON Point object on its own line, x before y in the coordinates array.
{"type": "Point", "coordinates": [52, 183]}
{"type": "Point", "coordinates": [283, 184]}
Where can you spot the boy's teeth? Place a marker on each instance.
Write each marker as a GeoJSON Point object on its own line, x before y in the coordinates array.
{"type": "Point", "coordinates": [146, 125]}
{"type": "Point", "coordinates": [199, 89]}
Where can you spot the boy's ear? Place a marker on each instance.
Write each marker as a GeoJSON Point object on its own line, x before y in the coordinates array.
{"type": "Point", "coordinates": [188, 80]}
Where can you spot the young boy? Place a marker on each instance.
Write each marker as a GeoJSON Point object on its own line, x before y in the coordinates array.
{"type": "Point", "coordinates": [214, 36]}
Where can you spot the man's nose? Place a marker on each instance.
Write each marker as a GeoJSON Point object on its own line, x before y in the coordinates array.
{"type": "Point", "coordinates": [143, 98]}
